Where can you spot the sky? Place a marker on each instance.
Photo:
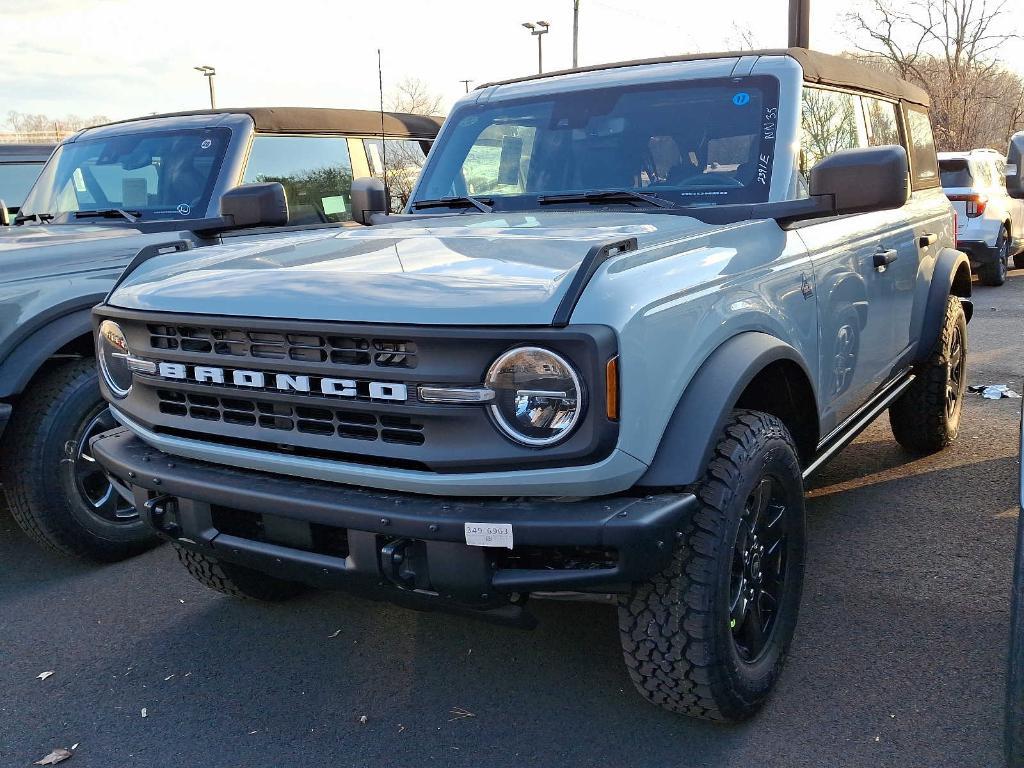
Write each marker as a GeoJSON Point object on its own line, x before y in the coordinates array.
{"type": "Point", "coordinates": [122, 58]}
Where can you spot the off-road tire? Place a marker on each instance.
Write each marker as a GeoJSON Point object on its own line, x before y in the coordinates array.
{"type": "Point", "coordinates": [675, 628]}
{"type": "Point", "coordinates": [38, 480]}
{"type": "Point", "coordinates": [920, 419]}
{"type": "Point", "coordinates": [994, 273]}
{"type": "Point", "coordinates": [237, 580]}
{"type": "Point", "coordinates": [1013, 734]}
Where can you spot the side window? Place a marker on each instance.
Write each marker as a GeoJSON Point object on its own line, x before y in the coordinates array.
{"type": "Point", "coordinates": [881, 122]}
{"type": "Point", "coordinates": [924, 165]}
{"type": "Point", "coordinates": [404, 158]}
{"type": "Point", "coordinates": [316, 172]}
{"type": "Point", "coordinates": [499, 160]}
{"type": "Point", "coordinates": [830, 121]}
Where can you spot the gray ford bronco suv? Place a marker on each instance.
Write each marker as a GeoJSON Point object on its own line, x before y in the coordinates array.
{"type": "Point", "coordinates": [629, 310]}
{"type": "Point", "coordinates": [170, 182]}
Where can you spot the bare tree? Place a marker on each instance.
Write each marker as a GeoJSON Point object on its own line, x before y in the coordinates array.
{"type": "Point", "coordinates": [39, 127]}
{"type": "Point", "coordinates": [414, 95]}
{"type": "Point", "coordinates": [950, 48]}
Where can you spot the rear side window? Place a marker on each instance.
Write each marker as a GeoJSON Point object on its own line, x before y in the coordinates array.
{"type": "Point", "coordinates": [955, 173]}
{"type": "Point", "coordinates": [316, 172]}
{"type": "Point", "coordinates": [881, 122]}
{"type": "Point", "coordinates": [830, 122]}
{"type": "Point", "coordinates": [924, 165]}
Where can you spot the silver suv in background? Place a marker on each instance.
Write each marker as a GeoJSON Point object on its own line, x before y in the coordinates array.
{"type": "Point", "coordinates": [990, 223]}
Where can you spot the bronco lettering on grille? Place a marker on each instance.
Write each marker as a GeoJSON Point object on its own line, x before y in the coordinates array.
{"type": "Point", "coordinates": [285, 382]}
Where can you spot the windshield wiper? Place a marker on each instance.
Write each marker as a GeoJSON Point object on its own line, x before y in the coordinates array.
{"type": "Point", "coordinates": [38, 218]}
{"type": "Point", "coordinates": [606, 196]}
{"type": "Point", "coordinates": [456, 202]}
{"type": "Point", "coordinates": [109, 213]}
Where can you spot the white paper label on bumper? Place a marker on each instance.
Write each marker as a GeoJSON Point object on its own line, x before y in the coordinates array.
{"type": "Point", "coordinates": [489, 535]}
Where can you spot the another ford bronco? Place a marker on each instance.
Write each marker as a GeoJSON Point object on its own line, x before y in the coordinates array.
{"type": "Point", "coordinates": [629, 310]}
{"type": "Point", "coordinates": [163, 183]}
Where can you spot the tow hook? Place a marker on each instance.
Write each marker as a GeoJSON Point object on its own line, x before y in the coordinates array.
{"type": "Point", "coordinates": [403, 562]}
{"type": "Point", "coordinates": [157, 507]}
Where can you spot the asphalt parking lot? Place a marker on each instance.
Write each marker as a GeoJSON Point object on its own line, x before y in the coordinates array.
{"type": "Point", "coordinates": [898, 659]}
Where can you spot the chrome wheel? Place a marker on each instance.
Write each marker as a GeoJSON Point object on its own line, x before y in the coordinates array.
{"type": "Point", "coordinates": [94, 488]}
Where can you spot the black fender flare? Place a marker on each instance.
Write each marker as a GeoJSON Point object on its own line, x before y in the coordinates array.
{"type": "Point", "coordinates": [25, 359]}
{"type": "Point", "coordinates": [704, 406]}
{"type": "Point", "coordinates": [951, 277]}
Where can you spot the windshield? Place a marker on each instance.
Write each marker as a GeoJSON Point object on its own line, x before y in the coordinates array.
{"type": "Point", "coordinates": [955, 173]}
{"type": "Point", "coordinates": [15, 181]}
{"type": "Point", "coordinates": [159, 175]}
{"type": "Point", "coordinates": [692, 142]}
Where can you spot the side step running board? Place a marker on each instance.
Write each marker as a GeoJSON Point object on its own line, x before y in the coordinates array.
{"type": "Point", "coordinates": [842, 437]}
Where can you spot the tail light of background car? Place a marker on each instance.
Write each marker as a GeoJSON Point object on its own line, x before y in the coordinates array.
{"type": "Point", "coordinates": [975, 204]}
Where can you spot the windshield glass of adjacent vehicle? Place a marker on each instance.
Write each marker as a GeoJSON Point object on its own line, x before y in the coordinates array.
{"type": "Point", "coordinates": [158, 175]}
{"type": "Point", "coordinates": [955, 173]}
{"type": "Point", "coordinates": [15, 181]}
{"type": "Point", "coordinates": [691, 143]}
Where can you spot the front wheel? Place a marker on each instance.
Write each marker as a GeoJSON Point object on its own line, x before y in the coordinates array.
{"type": "Point", "coordinates": [56, 491]}
{"type": "Point", "coordinates": [707, 637]}
{"type": "Point", "coordinates": [926, 418]}
{"type": "Point", "coordinates": [236, 580]}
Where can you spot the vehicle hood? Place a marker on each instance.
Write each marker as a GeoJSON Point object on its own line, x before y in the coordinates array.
{"type": "Point", "coordinates": [32, 251]}
{"type": "Point", "coordinates": [471, 269]}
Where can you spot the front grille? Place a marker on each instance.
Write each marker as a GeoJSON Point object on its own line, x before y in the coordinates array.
{"type": "Point", "coordinates": [279, 345]}
{"type": "Point", "coordinates": [285, 417]}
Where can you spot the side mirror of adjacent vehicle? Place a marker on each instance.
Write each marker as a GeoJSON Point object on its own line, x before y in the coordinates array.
{"type": "Point", "coordinates": [5, 216]}
{"type": "Point", "coordinates": [1014, 159]}
{"type": "Point", "coordinates": [255, 205]}
{"type": "Point", "coordinates": [369, 197]}
{"type": "Point", "coordinates": [863, 180]}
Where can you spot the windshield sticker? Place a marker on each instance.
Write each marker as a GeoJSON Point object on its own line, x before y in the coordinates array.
{"type": "Point", "coordinates": [184, 209]}
{"type": "Point", "coordinates": [134, 192]}
{"type": "Point", "coordinates": [206, 144]}
{"type": "Point", "coordinates": [741, 99]}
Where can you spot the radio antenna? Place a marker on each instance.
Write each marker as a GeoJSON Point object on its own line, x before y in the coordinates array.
{"type": "Point", "coordinates": [383, 143]}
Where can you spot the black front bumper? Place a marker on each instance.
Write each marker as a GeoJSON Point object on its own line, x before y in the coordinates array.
{"type": "Point", "coordinates": [340, 536]}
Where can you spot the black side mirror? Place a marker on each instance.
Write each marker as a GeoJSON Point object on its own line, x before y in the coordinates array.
{"type": "Point", "coordinates": [5, 216]}
{"type": "Point", "coordinates": [369, 196]}
{"type": "Point", "coordinates": [255, 205]}
{"type": "Point", "coordinates": [863, 180]}
{"type": "Point", "coordinates": [1014, 158]}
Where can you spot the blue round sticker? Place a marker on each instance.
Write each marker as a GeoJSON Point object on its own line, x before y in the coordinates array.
{"type": "Point", "coordinates": [741, 99]}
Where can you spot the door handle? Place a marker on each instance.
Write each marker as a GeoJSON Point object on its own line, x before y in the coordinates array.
{"type": "Point", "coordinates": [883, 259]}
{"type": "Point", "coordinates": [928, 238]}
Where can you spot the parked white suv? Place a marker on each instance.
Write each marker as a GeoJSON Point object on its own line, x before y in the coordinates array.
{"type": "Point", "coordinates": [990, 224]}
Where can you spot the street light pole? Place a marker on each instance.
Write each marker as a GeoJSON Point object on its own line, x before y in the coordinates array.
{"type": "Point", "coordinates": [208, 73]}
{"type": "Point", "coordinates": [466, 83]}
{"type": "Point", "coordinates": [538, 30]}
{"type": "Point", "coordinates": [575, 32]}
{"type": "Point", "coordinates": [800, 23]}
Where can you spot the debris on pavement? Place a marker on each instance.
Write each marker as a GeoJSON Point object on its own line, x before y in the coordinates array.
{"type": "Point", "coordinates": [58, 755]}
{"type": "Point", "coordinates": [458, 713]}
{"type": "Point", "coordinates": [44, 675]}
{"type": "Point", "coordinates": [334, 634]}
{"type": "Point", "coordinates": [145, 712]}
{"type": "Point", "coordinates": [993, 391]}
{"type": "Point", "coordinates": [362, 719]}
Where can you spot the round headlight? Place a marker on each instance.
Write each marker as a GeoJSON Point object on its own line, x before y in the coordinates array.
{"type": "Point", "coordinates": [113, 352]}
{"type": "Point", "coordinates": [537, 396]}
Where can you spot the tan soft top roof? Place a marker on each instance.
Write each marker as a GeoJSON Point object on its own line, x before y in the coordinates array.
{"type": "Point", "coordinates": [321, 120]}
{"type": "Point", "coordinates": [819, 68]}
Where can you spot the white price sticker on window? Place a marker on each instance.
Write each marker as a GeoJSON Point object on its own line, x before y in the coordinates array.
{"type": "Point", "coordinates": [489, 535]}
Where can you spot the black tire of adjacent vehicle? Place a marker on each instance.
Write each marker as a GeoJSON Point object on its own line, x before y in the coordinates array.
{"type": "Point", "coordinates": [920, 419]}
{"type": "Point", "coordinates": [1013, 735]}
{"type": "Point", "coordinates": [237, 580]}
{"type": "Point", "coordinates": [38, 472]}
{"type": "Point", "coordinates": [994, 273]}
{"type": "Point", "coordinates": [675, 628]}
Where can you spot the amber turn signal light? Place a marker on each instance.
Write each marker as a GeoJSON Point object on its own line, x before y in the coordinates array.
{"type": "Point", "coordinates": [611, 384]}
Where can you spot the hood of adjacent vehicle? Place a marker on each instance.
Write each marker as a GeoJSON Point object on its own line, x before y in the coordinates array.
{"type": "Point", "coordinates": [473, 269]}
{"type": "Point", "coordinates": [34, 250]}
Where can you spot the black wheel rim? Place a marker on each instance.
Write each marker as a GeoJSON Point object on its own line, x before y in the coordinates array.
{"type": "Point", "coordinates": [955, 373]}
{"type": "Point", "coordinates": [94, 488]}
{"type": "Point", "coordinates": [759, 569]}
